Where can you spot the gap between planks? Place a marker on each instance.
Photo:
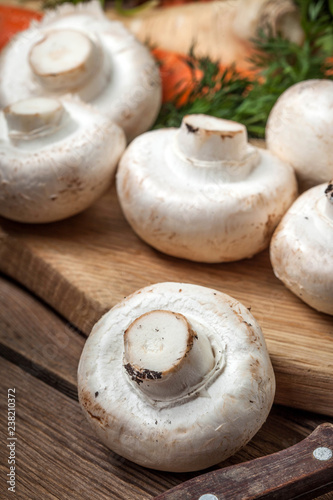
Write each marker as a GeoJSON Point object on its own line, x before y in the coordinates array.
{"type": "Point", "coordinates": [38, 336]}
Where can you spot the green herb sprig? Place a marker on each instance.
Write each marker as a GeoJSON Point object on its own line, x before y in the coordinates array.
{"type": "Point", "coordinates": [52, 4]}
{"type": "Point", "coordinates": [281, 62]}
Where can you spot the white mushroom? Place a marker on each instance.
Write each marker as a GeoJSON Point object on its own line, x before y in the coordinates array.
{"type": "Point", "coordinates": [302, 248]}
{"type": "Point", "coordinates": [77, 49]}
{"type": "Point", "coordinates": [202, 192]}
{"type": "Point", "coordinates": [300, 130]}
{"type": "Point", "coordinates": [176, 377]}
{"type": "Point", "coordinates": [56, 158]}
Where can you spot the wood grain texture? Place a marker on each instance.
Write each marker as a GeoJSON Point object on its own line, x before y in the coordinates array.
{"type": "Point", "coordinates": [84, 265]}
{"type": "Point", "coordinates": [58, 455]}
{"type": "Point", "coordinates": [37, 340]}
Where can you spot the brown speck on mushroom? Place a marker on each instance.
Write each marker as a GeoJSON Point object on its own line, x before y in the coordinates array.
{"type": "Point", "coordinates": [96, 417]}
{"type": "Point", "coordinates": [140, 375]}
{"type": "Point", "coordinates": [226, 136]}
{"type": "Point", "coordinates": [94, 409]}
{"type": "Point", "coordinates": [191, 129]}
{"type": "Point", "coordinates": [329, 191]}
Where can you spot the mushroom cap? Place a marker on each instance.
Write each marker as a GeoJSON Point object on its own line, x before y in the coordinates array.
{"type": "Point", "coordinates": [219, 209]}
{"type": "Point", "coordinates": [195, 430]}
{"type": "Point", "coordinates": [301, 249]}
{"type": "Point", "coordinates": [57, 156]}
{"type": "Point", "coordinates": [300, 130]}
{"type": "Point", "coordinates": [77, 49]}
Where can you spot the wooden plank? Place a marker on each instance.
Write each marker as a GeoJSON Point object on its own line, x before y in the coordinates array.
{"type": "Point", "coordinates": [84, 265]}
{"type": "Point", "coordinates": [36, 339]}
{"type": "Point", "coordinates": [58, 457]}
{"type": "Point", "coordinates": [57, 454]}
{"type": "Point", "coordinates": [51, 426]}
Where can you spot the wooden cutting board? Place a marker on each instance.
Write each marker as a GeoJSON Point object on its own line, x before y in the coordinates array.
{"type": "Point", "coordinates": [84, 265]}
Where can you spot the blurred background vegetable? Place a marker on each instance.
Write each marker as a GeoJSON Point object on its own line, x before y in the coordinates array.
{"type": "Point", "coordinates": [266, 46]}
{"type": "Point", "coordinates": [14, 19]}
{"type": "Point", "coordinates": [277, 63]}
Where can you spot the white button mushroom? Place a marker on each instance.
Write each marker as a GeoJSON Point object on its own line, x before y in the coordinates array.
{"type": "Point", "coordinates": [77, 49]}
{"type": "Point", "coordinates": [202, 192]}
{"type": "Point", "coordinates": [302, 248]}
{"type": "Point", "coordinates": [56, 158]}
{"type": "Point", "coordinates": [300, 130]}
{"type": "Point", "coordinates": [176, 377]}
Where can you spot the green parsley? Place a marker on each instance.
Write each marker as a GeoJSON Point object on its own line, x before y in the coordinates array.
{"type": "Point", "coordinates": [282, 63]}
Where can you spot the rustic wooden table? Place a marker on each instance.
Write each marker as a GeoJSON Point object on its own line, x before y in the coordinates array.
{"type": "Point", "coordinates": [57, 455]}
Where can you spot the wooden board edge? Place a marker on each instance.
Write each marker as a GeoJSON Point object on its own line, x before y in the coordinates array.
{"type": "Point", "coordinates": [304, 389]}
{"type": "Point", "coordinates": [53, 288]}
{"type": "Point", "coordinates": [40, 278]}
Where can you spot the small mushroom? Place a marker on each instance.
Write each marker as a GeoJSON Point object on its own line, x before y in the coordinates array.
{"type": "Point", "coordinates": [176, 377]}
{"type": "Point", "coordinates": [300, 131]}
{"type": "Point", "coordinates": [202, 192]}
{"type": "Point", "coordinates": [302, 248]}
{"type": "Point", "coordinates": [56, 158]}
{"type": "Point", "coordinates": [77, 49]}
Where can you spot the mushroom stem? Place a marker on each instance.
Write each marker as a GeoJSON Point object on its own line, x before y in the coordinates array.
{"type": "Point", "coordinates": [329, 195]}
{"type": "Point", "coordinates": [64, 60]}
{"type": "Point", "coordinates": [165, 357]}
{"type": "Point", "coordinates": [33, 117]}
{"type": "Point", "coordinates": [211, 139]}
{"type": "Point", "coordinates": [214, 142]}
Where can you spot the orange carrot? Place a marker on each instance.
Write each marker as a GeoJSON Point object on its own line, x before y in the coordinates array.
{"type": "Point", "coordinates": [14, 19]}
{"type": "Point", "coordinates": [179, 75]}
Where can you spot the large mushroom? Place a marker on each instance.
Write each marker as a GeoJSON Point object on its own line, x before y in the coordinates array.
{"type": "Point", "coordinates": [56, 158]}
{"type": "Point", "coordinates": [302, 248]}
{"type": "Point", "coordinates": [77, 49]}
{"type": "Point", "coordinates": [176, 377]}
{"type": "Point", "coordinates": [300, 131]}
{"type": "Point", "coordinates": [202, 192]}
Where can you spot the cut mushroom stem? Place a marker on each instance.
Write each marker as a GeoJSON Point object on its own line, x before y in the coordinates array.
{"type": "Point", "coordinates": [64, 60]}
{"type": "Point", "coordinates": [165, 357]}
{"type": "Point", "coordinates": [33, 117]}
{"type": "Point", "coordinates": [210, 141]}
{"type": "Point", "coordinates": [329, 195]}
